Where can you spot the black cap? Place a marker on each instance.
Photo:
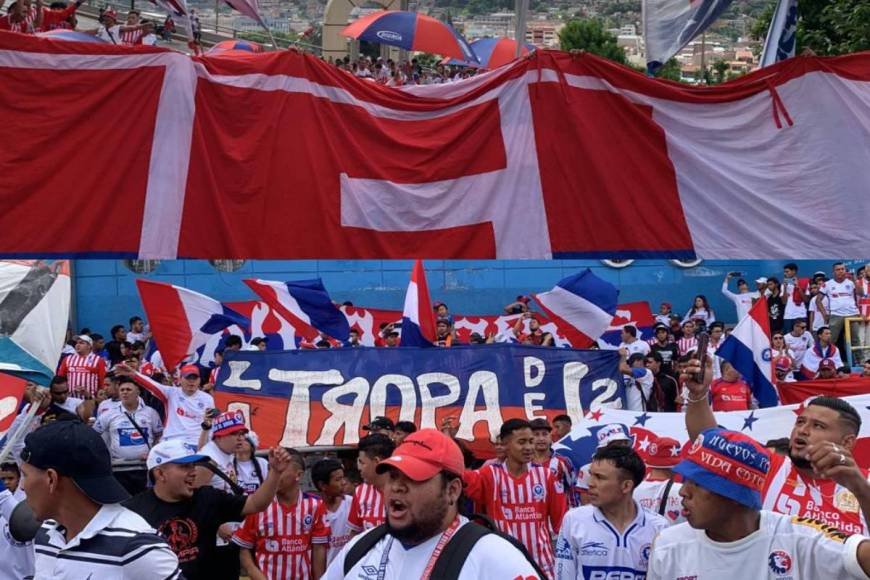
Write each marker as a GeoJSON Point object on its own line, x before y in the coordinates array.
{"type": "Point", "coordinates": [540, 423]}
{"type": "Point", "coordinates": [380, 423]}
{"type": "Point", "coordinates": [75, 450]}
{"type": "Point", "coordinates": [259, 340]}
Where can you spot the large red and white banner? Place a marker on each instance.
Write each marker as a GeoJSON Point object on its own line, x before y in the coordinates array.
{"type": "Point", "coordinates": [150, 153]}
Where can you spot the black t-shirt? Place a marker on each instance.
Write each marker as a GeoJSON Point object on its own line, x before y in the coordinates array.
{"type": "Point", "coordinates": [190, 526]}
{"type": "Point", "coordinates": [669, 354]}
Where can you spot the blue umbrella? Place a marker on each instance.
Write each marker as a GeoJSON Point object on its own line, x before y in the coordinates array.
{"type": "Point", "coordinates": [494, 52]}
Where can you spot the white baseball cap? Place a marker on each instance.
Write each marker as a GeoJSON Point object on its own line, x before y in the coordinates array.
{"type": "Point", "coordinates": [85, 338]}
{"type": "Point", "coordinates": [761, 280]}
{"type": "Point", "coordinates": [582, 481]}
{"type": "Point", "coordinates": [172, 451]}
{"type": "Point", "coordinates": [612, 432]}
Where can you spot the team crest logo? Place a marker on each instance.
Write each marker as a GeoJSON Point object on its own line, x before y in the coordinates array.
{"type": "Point", "coordinates": [644, 553]}
{"type": "Point", "coordinates": [307, 521]}
{"type": "Point", "coordinates": [653, 448]}
{"type": "Point", "coordinates": [766, 355]}
{"type": "Point", "coordinates": [697, 444]}
{"type": "Point", "coordinates": [779, 562]}
{"type": "Point", "coordinates": [845, 501]}
{"type": "Point", "coordinates": [538, 491]}
{"type": "Point", "coordinates": [200, 404]}
{"type": "Point", "coordinates": [563, 549]}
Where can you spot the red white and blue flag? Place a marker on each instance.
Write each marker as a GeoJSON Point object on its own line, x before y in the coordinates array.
{"type": "Point", "coordinates": [762, 425]}
{"type": "Point", "coordinates": [418, 318]}
{"type": "Point", "coordinates": [637, 314]}
{"type": "Point", "coordinates": [582, 306]}
{"type": "Point", "coordinates": [748, 350]}
{"type": "Point", "coordinates": [304, 300]}
{"type": "Point", "coordinates": [515, 164]}
{"type": "Point", "coordinates": [183, 321]}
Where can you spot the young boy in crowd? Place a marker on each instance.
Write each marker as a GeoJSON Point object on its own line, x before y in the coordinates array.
{"type": "Point", "coordinates": [367, 510]}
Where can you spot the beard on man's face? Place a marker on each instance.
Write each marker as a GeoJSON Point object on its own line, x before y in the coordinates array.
{"type": "Point", "coordinates": [424, 527]}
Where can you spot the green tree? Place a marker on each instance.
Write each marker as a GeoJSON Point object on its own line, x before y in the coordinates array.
{"type": "Point", "coordinates": [670, 71]}
{"type": "Point", "coordinates": [828, 27]}
{"type": "Point", "coordinates": [590, 35]}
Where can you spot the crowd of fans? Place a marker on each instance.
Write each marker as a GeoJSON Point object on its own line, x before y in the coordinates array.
{"type": "Point", "coordinates": [392, 74]}
{"type": "Point", "coordinates": [195, 476]}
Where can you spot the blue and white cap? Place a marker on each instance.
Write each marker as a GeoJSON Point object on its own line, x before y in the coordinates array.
{"type": "Point", "coordinates": [172, 451]}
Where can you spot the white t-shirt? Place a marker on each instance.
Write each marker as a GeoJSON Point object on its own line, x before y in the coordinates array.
{"type": "Point", "coordinates": [248, 475]}
{"type": "Point", "coordinates": [635, 347]}
{"type": "Point", "coordinates": [792, 310]}
{"type": "Point", "coordinates": [492, 558]}
{"type": "Point", "coordinates": [818, 319]}
{"type": "Point", "coordinates": [641, 380]}
{"type": "Point", "coordinates": [842, 296]}
{"type": "Point", "coordinates": [16, 558]}
{"type": "Point", "coordinates": [339, 529]}
{"type": "Point", "coordinates": [224, 462]}
{"type": "Point", "coordinates": [589, 546]}
{"type": "Point", "coordinates": [781, 548]}
{"type": "Point", "coordinates": [111, 35]}
{"type": "Point", "coordinates": [743, 302]}
{"type": "Point", "coordinates": [649, 495]}
{"type": "Point", "coordinates": [184, 414]}
{"type": "Point", "coordinates": [799, 345]}
{"type": "Point", "coordinates": [71, 404]}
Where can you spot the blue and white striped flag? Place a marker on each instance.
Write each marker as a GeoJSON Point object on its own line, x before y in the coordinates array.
{"type": "Point", "coordinates": [782, 34]}
{"type": "Point", "coordinates": [669, 25]}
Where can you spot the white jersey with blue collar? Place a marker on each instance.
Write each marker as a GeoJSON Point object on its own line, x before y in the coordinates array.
{"type": "Point", "coordinates": [591, 548]}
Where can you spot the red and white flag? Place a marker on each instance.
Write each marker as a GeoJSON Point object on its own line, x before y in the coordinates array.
{"type": "Point", "coordinates": [554, 156]}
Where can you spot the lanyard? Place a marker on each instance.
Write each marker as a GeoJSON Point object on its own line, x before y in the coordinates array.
{"type": "Point", "coordinates": [442, 542]}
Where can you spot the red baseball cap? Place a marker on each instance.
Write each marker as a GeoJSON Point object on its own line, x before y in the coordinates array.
{"type": "Point", "coordinates": [189, 370]}
{"type": "Point", "coordinates": [783, 363]}
{"type": "Point", "coordinates": [663, 453]}
{"type": "Point", "coordinates": [424, 454]}
{"type": "Point", "coordinates": [828, 364]}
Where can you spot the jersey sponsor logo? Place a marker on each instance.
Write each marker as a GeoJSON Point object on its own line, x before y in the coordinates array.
{"type": "Point", "coordinates": [538, 491]}
{"type": "Point", "coordinates": [699, 442]}
{"type": "Point", "coordinates": [779, 562]}
{"type": "Point", "coordinates": [612, 573]}
{"type": "Point", "coordinates": [829, 532]}
{"type": "Point", "coordinates": [131, 437]}
{"type": "Point", "coordinates": [507, 512]}
{"type": "Point", "coordinates": [594, 549]}
{"type": "Point", "coordinates": [563, 550]}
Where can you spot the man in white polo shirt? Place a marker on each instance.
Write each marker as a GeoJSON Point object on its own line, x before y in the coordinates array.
{"type": "Point", "coordinates": [86, 533]}
{"type": "Point", "coordinates": [841, 303]}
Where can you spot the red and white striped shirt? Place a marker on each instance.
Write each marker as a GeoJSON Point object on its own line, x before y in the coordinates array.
{"type": "Point", "coordinates": [131, 37]}
{"type": "Point", "coordinates": [525, 507]}
{"type": "Point", "coordinates": [684, 345]}
{"type": "Point", "coordinates": [282, 535]}
{"type": "Point", "coordinates": [560, 467]}
{"type": "Point", "coordinates": [25, 26]}
{"type": "Point", "coordinates": [84, 374]}
{"type": "Point", "coordinates": [367, 510]}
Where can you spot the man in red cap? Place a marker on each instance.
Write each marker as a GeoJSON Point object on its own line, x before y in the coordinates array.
{"type": "Point", "coordinates": [658, 492]}
{"type": "Point", "coordinates": [827, 369]}
{"type": "Point", "coordinates": [424, 529]}
{"type": "Point", "coordinates": [185, 407]}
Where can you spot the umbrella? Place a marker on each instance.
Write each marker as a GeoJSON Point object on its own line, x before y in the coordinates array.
{"type": "Point", "coordinates": [70, 35]}
{"type": "Point", "coordinates": [233, 46]}
{"type": "Point", "coordinates": [494, 52]}
{"type": "Point", "coordinates": [411, 31]}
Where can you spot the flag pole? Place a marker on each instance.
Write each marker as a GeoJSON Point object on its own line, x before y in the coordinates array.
{"type": "Point", "coordinates": [522, 7]}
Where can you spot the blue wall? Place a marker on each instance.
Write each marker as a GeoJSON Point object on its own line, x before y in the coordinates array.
{"type": "Point", "coordinates": [105, 290]}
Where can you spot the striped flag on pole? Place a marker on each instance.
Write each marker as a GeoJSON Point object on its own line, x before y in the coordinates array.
{"type": "Point", "coordinates": [418, 318]}
{"type": "Point", "coordinates": [748, 349]}
{"type": "Point", "coordinates": [782, 34]}
{"type": "Point", "coordinates": [582, 307]}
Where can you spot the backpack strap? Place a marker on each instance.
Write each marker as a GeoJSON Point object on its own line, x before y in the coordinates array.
{"type": "Point", "coordinates": [456, 552]}
{"type": "Point", "coordinates": [664, 502]}
{"type": "Point", "coordinates": [362, 547]}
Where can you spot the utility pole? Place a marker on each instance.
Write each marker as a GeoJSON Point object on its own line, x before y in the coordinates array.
{"type": "Point", "coordinates": [704, 56]}
{"type": "Point", "coordinates": [521, 8]}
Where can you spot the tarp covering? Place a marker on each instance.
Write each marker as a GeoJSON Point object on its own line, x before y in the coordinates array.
{"type": "Point", "coordinates": [282, 155]}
